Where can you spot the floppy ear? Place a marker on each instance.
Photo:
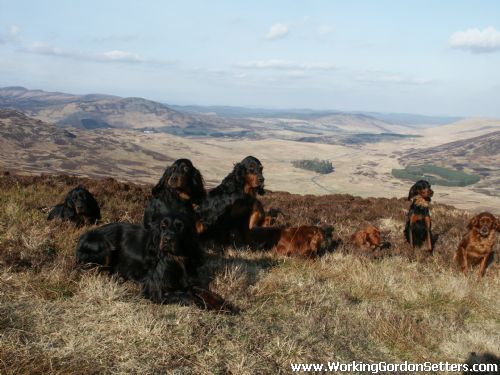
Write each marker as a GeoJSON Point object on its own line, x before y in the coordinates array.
{"type": "Point", "coordinates": [239, 172]}
{"type": "Point", "coordinates": [473, 222]}
{"type": "Point", "coordinates": [197, 183]}
{"type": "Point", "coordinates": [68, 201]}
{"type": "Point", "coordinates": [93, 206]}
{"type": "Point", "coordinates": [413, 192]}
{"type": "Point", "coordinates": [161, 184]}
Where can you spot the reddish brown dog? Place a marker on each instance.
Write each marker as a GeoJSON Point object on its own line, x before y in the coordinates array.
{"type": "Point", "coordinates": [369, 237]}
{"type": "Point", "coordinates": [477, 245]}
{"type": "Point", "coordinates": [306, 241]}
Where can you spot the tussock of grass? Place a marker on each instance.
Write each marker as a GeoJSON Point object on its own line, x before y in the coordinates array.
{"type": "Point", "coordinates": [346, 305]}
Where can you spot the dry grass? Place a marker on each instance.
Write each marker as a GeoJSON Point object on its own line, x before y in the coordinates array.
{"type": "Point", "coordinates": [395, 305]}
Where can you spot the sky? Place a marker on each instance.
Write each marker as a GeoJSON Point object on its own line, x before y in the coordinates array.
{"type": "Point", "coordinates": [425, 57]}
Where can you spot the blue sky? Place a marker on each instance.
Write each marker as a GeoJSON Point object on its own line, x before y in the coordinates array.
{"type": "Point", "coordinates": [428, 57]}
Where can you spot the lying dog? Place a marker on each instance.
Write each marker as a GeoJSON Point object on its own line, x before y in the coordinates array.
{"type": "Point", "coordinates": [163, 259]}
{"type": "Point", "coordinates": [79, 207]}
{"type": "Point", "coordinates": [307, 241]}
{"type": "Point", "coordinates": [369, 237]}
{"type": "Point", "coordinates": [477, 245]}
{"type": "Point", "coordinates": [418, 229]}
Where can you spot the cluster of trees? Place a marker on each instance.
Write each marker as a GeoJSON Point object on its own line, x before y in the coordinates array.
{"type": "Point", "coordinates": [316, 165]}
{"type": "Point", "coordinates": [435, 175]}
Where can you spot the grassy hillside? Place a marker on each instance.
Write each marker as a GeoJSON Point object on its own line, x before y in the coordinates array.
{"type": "Point", "coordinates": [393, 305]}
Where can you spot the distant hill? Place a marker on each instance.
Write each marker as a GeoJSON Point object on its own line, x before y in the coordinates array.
{"type": "Point", "coordinates": [33, 145]}
{"type": "Point", "coordinates": [404, 119]}
{"type": "Point", "coordinates": [97, 111]}
{"type": "Point", "coordinates": [480, 155]}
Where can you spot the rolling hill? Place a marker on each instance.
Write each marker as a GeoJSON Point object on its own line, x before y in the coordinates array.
{"type": "Point", "coordinates": [479, 155]}
{"type": "Point", "coordinates": [32, 145]}
{"type": "Point", "coordinates": [98, 111]}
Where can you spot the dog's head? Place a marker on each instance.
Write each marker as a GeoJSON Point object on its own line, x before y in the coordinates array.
{"type": "Point", "coordinates": [183, 177]}
{"type": "Point", "coordinates": [484, 223]}
{"type": "Point", "coordinates": [250, 171]}
{"type": "Point", "coordinates": [81, 201]}
{"type": "Point", "coordinates": [172, 230]}
{"type": "Point", "coordinates": [373, 235]}
{"type": "Point", "coordinates": [421, 188]}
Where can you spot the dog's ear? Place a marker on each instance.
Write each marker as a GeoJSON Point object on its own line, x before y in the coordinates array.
{"type": "Point", "coordinates": [163, 180]}
{"type": "Point", "coordinates": [240, 171]}
{"type": "Point", "coordinates": [498, 224]}
{"type": "Point", "coordinates": [413, 192]}
{"type": "Point", "coordinates": [473, 222]}
{"type": "Point", "coordinates": [68, 201]}
{"type": "Point", "coordinates": [93, 206]}
{"type": "Point", "coordinates": [198, 185]}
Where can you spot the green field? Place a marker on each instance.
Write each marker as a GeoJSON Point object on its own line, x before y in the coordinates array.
{"type": "Point", "coordinates": [435, 175]}
{"type": "Point", "coordinates": [315, 165]}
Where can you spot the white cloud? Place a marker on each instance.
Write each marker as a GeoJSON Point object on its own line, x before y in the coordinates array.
{"type": "Point", "coordinates": [477, 41]}
{"type": "Point", "coordinates": [284, 65]}
{"type": "Point", "coordinates": [11, 35]}
{"type": "Point", "coordinates": [42, 48]}
{"type": "Point", "coordinates": [14, 31]}
{"type": "Point", "coordinates": [122, 56]}
{"type": "Point", "coordinates": [323, 30]}
{"type": "Point", "coordinates": [381, 78]}
{"type": "Point", "coordinates": [278, 30]}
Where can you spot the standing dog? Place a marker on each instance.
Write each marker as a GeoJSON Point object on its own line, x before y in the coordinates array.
{"type": "Point", "coordinates": [418, 229]}
{"type": "Point", "coordinates": [477, 245]}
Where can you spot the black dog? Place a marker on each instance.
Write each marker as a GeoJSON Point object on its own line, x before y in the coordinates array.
{"type": "Point", "coordinates": [180, 189]}
{"type": "Point", "coordinates": [80, 207]}
{"type": "Point", "coordinates": [163, 259]}
{"type": "Point", "coordinates": [232, 207]}
{"type": "Point", "coordinates": [418, 229]}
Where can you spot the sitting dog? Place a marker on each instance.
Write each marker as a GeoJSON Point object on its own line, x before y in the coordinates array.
{"type": "Point", "coordinates": [418, 229]}
{"type": "Point", "coordinates": [179, 190]}
{"type": "Point", "coordinates": [163, 259]}
{"type": "Point", "coordinates": [79, 207]}
{"type": "Point", "coordinates": [232, 209]}
{"type": "Point", "coordinates": [477, 245]}
{"type": "Point", "coordinates": [369, 237]}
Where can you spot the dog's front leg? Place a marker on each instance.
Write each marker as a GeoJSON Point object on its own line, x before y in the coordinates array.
{"type": "Point", "coordinates": [427, 221]}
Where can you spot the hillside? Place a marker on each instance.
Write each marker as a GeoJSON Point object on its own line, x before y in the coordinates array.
{"type": "Point", "coordinates": [96, 111]}
{"type": "Point", "coordinates": [395, 305]}
{"type": "Point", "coordinates": [34, 146]}
{"type": "Point", "coordinates": [479, 155]}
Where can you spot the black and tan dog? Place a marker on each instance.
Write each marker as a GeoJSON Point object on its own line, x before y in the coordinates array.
{"type": "Point", "coordinates": [418, 229]}
{"type": "Point", "coordinates": [79, 207]}
{"type": "Point", "coordinates": [164, 259]}
{"type": "Point", "coordinates": [232, 209]}
{"type": "Point", "coordinates": [180, 189]}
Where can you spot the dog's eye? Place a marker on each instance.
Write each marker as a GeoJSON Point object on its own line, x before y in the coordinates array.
{"type": "Point", "coordinates": [179, 226]}
{"type": "Point", "coordinates": [165, 223]}
{"type": "Point", "coordinates": [186, 169]}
